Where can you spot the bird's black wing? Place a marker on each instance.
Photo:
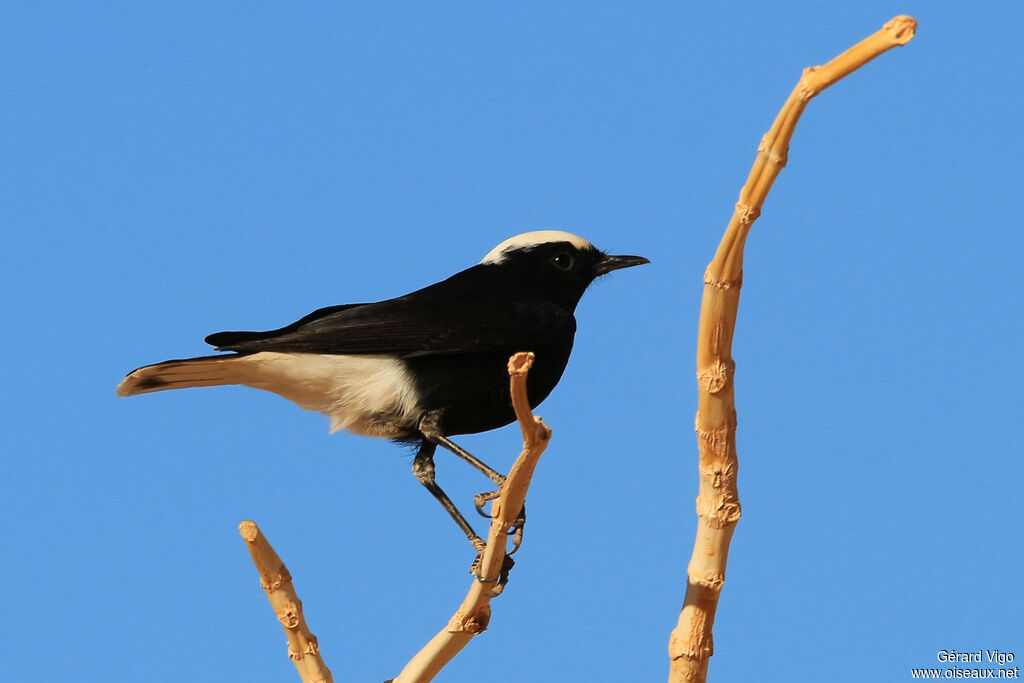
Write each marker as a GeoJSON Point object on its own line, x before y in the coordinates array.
{"type": "Point", "coordinates": [409, 326]}
{"type": "Point", "coordinates": [228, 340]}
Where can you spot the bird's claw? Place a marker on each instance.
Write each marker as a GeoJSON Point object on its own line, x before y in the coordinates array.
{"type": "Point", "coordinates": [499, 583]}
{"type": "Point", "coordinates": [516, 530]}
{"type": "Point", "coordinates": [481, 499]}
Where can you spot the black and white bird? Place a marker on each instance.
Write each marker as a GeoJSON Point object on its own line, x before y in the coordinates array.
{"type": "Point", "coordinates": [421, 367]}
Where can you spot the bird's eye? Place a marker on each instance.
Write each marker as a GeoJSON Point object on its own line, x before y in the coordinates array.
{"type": "Point", "coordinates": [563, 261]}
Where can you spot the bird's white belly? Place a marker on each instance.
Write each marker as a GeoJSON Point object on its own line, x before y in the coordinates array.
{"type": "Point", "coordinates": [368, 395]}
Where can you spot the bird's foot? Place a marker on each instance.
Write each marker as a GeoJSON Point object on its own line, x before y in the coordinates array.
{"type": "Point", "coordinates": [481, 499]}
{"type": "Point", "coordinates": [498, 583]}
{"type": "Point", "coordinates": [515, 531]}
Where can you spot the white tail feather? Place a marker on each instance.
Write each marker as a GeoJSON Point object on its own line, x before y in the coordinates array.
{"type": "Point", "coordinates": [370, 395]}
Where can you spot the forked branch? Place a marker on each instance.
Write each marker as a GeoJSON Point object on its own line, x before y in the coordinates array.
{"type": "Point", "coordinates": [718, 505]}
{"type": "Point", "coordinates": [474, 613]}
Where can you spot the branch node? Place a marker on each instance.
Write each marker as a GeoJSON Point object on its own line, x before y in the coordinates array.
{"type": "Point", "coordinates": [679, 647]}
{"type": "Point", "coordinates": [542, 432]}
{"type": "Point", "coordinates": [715, 377]}
{"type": "Point", "coordinates": [710, 279]}
{"type": "Point", "coordinates": [805, 91]}
{"type": "Point", "coordinates": [747, 214]}
{"type": "Point", "coordinates": [718, 474]}
{"type": "Point", "coordinates": [272, 584]}
{"type": "Point", "coordinates": [311, 649]}
{"type": "Point", "coordinates": [473, 623]}
{"type": "Point", "coordinates": [290, 614]}
{"type": "Point", "coordinates": [779, 157]}
{"type": "Point", "coordinates": [712, 580]}
{"type": "Point", "coordinates": [719, 515]}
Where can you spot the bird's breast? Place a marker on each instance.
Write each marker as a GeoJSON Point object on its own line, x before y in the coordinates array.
{"type": "Point", "coordinates": [471, 391]}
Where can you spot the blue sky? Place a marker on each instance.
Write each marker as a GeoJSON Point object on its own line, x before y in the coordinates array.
{"type": "Point", "coordinates": [174, 169]}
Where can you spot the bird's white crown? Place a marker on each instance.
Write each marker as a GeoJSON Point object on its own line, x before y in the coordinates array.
{"type": "Point", "coordinates": [532, 239]}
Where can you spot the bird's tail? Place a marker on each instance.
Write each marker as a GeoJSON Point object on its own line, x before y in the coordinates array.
{"type": "Point", "coordinates": [205, 371]}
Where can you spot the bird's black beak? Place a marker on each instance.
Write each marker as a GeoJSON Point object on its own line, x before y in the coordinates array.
{"type": "Point", "coordinates": [609, 263]}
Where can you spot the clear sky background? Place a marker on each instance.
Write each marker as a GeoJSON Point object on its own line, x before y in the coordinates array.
{"type": "Point", "coordinates": [168, 170]}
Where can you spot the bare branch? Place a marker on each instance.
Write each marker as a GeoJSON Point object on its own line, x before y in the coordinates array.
{"type": "Point", "coordinates": [277, 583]}
{"type": "Point", "coordinates": [474, 614]}
{"type": "Point", "coordinates": [718, 505]}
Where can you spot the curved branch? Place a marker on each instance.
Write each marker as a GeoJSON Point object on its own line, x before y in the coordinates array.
{"type": "Point", "coordinates": [474, 614]}
{"type": "Point", "coordinates": [718, 505]}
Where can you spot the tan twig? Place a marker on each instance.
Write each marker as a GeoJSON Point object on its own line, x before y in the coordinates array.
{"type": "Point", "coordinates": [474, 614]}
{"type": "Point", "coordinates": [277, 583]}
{"type": "Point", "coordinates": [718, 505]}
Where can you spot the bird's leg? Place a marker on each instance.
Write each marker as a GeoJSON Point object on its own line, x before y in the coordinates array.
{"type": "Point", "coordinates": [495, 476]}
{"type": "Point", "coordinates": [423, 468]}
{"type": "Point", "coordinates": [430, 427]}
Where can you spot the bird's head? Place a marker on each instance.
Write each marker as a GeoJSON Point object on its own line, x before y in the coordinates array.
{"type": "Point", "coordinates": [558, 264]}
